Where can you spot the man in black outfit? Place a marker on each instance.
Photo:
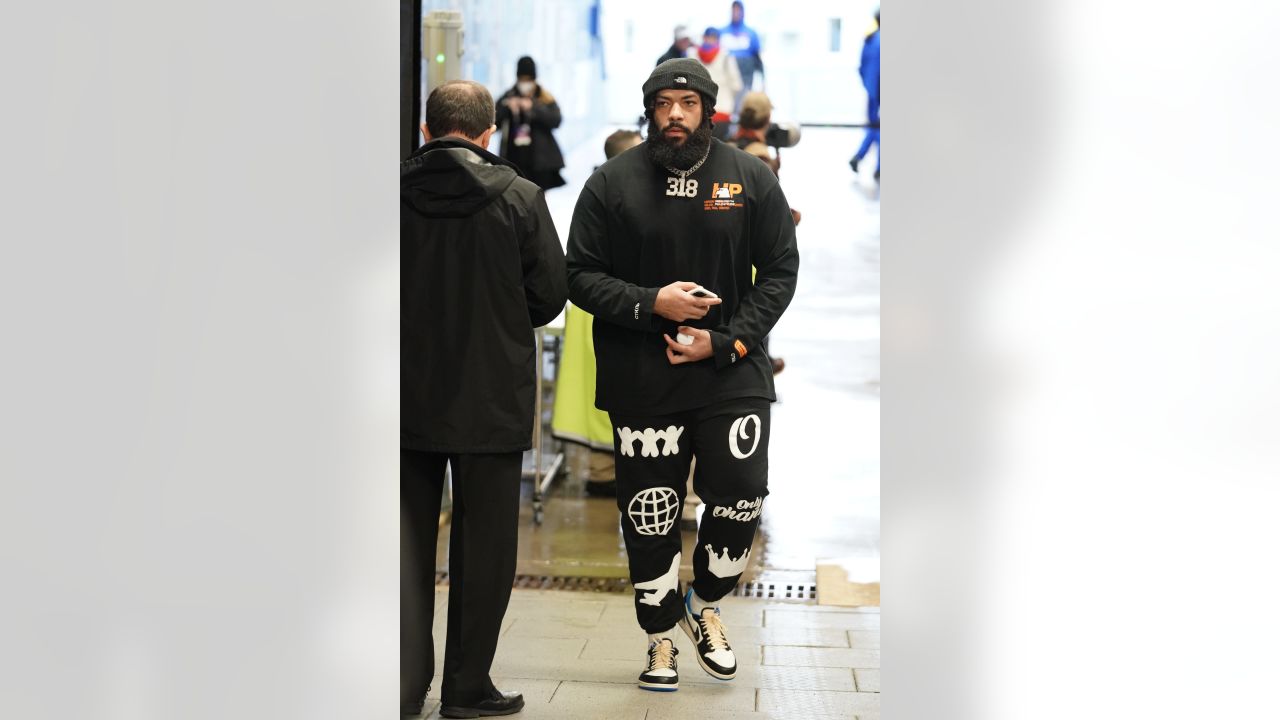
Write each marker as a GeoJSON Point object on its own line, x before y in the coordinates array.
{"type": "Point", "coordinates": [679, 46]}
{"type": "Point", "coordinates": [527, 113]}
{"type": "Point", "coordinates": [661, 251]}
{"type": "Point", "coordinates": [480, 267]}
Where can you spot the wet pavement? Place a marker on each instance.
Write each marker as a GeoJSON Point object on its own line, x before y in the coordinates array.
{"type": "Point", "coordinates": [824, 456]}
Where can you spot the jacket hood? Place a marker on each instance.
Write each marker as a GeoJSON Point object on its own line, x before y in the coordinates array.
{"type": "Point", "coordinates": [451, 177]}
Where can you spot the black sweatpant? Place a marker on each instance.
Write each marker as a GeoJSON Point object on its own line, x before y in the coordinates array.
{"type": "Point", "coordinates": [482, 567]}
{"type": "Point", "coordinates": [652, 455]}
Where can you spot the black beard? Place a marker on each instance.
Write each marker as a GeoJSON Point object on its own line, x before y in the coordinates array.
{"type": "Point", "coordinates": [667, 153]}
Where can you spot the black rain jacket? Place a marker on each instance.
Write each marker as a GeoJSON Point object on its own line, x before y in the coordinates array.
{"type": "Point", "coordinates": [543, 117]}
{"type": "Point", "coordinates": [481, 266]}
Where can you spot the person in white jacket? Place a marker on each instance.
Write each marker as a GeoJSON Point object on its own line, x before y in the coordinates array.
{"type": "Point", "coordinates": [724, 72]}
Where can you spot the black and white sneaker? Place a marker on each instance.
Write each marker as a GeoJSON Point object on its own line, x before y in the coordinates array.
{"type": "Point", "coordinates": [707, 633]}
{"type": "Point", "coordinates": [660, 675]}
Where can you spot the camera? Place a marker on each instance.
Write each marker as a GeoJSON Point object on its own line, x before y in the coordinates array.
{"type": "Point", "coordinates": [782, 136]}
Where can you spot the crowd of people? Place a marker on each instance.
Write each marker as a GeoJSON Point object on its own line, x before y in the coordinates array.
{"type": "Point", "coordinates": [528, 112]}
{"type": "Point", "coordinates": [681, 257]}
{"type": "Point", "coordinates": [731, 55]}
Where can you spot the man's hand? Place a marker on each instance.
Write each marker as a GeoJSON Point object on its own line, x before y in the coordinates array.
{"type": "Point", "coordinates": [701, 349]}
{"type": "Point", "coordinates": [676, 304]}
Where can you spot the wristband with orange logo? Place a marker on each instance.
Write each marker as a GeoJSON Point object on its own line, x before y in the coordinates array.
{"type": "Point", "coordinates": [742, 349]}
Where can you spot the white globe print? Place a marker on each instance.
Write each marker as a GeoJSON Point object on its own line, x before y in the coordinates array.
{"type": "Point", "coordinates": [654, 511]}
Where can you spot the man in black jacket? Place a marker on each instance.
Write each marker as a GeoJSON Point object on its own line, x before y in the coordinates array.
{"type": "Point", "coordinates": [527, 113]}
{"type": "Point", "coordinates": [679, 46]}
{"type": "Point", "coordinates": [480, 268]}
{"type": "Point", "coordinates": [661, 251]}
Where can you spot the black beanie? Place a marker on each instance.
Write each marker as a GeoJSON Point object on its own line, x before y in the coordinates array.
{"type": "Point", "coordinates": [525, 66]}
{"type": "Point", "coordinates": [681, 74]}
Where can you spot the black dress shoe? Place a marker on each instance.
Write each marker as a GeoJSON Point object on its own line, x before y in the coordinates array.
{"type": "Point", "coordinates": [410, 711]}
{"type": "Point", "coordinates": [502, 704]}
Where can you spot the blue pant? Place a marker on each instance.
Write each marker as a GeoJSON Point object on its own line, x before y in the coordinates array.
{"type": "Point", "coordinates": [873, 131]}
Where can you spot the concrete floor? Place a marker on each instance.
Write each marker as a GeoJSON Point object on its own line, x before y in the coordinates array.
{"type": "Point", "coordinates": [824, 455]}
{"type": "Point", "coordinates": [576, 656]}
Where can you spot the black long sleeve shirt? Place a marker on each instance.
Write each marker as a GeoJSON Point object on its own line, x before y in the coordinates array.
{"type": "Point", "coordinates": [637, 228]}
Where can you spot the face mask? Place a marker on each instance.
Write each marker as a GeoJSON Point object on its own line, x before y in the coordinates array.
{"type": "Point", "coordinates": [525, 88]}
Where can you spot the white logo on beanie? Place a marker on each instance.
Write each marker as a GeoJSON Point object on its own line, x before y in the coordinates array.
{"type": "Point", "coordinates": [681, 79]}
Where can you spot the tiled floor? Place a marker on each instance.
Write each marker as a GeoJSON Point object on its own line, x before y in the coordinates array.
{"type": "Point", "coordinates": [576, 656]}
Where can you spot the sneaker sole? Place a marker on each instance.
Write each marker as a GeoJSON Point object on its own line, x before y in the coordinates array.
{"type": "Point", "coordinates": [659, 687]}
{"type": "Point", "coordinates": [688, 630]}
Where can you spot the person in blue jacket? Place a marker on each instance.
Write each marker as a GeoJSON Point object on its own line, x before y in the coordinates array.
{"type": "Point", "coordinates": [870, 72]}
{"type": "Point", "coordinates": [744, 44]}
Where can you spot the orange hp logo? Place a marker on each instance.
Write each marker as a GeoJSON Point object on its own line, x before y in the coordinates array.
{"type": "Point", "coordinates": [725, 190]}
{"type": "Point", "coordinates": [724, 196]}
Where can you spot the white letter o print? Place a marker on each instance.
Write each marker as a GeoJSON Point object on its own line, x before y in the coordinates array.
{"type": "Point", "coordinates": [739, 429]}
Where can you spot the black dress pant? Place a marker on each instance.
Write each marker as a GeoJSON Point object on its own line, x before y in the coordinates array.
{"type": "Point", "coordinates": [482, 567]}
{"type": "Point", "coordinates": [652, 456]}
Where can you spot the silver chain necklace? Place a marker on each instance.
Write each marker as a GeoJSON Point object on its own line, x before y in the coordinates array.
{"type": "Point", "coordinates": [686, 173]}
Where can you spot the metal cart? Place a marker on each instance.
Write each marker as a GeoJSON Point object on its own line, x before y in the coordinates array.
{"type": "Point", "coordinates": [548, 459]}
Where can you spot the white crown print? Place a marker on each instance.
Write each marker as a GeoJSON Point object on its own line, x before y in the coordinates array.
{"type": "Point", "coordinates": [723, 566]}
{"type": "Point", "coordinates": [649, 438]}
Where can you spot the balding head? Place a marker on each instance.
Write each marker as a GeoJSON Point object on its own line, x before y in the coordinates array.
{"type": "Point", "coordinates": [462, 108]}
